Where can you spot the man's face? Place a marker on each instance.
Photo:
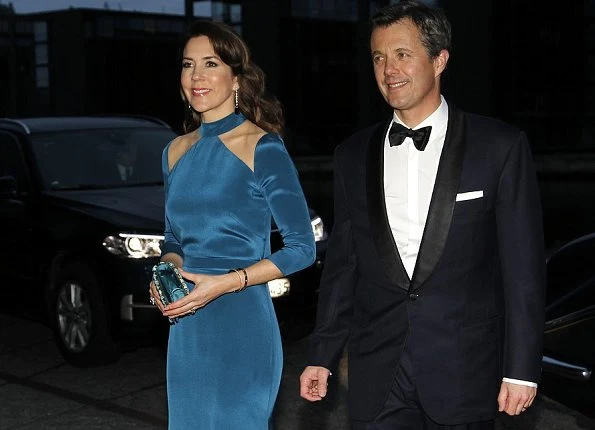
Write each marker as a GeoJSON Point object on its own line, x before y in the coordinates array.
{"type": "Point", "coordinates": [407, 77]}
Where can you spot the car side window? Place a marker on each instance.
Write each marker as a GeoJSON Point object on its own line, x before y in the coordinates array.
{"type": "Point", "coordinates": [12, 162]}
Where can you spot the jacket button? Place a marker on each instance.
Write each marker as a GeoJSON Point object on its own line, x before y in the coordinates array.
{"type": "Point", "coordinates": [413, 297]}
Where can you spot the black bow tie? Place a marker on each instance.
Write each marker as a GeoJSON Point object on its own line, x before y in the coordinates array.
{"type": "Point", "coordinates": [420, 137]}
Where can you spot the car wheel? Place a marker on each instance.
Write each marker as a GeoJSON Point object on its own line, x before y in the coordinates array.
{"type": "Point", "coordinates": [80, 320]}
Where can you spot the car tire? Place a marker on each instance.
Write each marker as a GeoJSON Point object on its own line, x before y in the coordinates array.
{"type": "Point", "coordinates": [79, 318]}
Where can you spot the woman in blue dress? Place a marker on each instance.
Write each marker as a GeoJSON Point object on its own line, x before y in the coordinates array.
{"type": "Point", "coordinates": [224, 180]}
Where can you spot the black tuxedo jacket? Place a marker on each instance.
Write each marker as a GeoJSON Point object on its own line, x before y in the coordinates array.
{"type": "Point", "coordinates": [473, 311]}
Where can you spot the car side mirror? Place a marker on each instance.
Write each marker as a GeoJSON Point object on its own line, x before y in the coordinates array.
{"type": "Point", "coordinates": [8, 187]}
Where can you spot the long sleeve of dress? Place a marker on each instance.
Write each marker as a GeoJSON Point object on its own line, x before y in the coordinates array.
{"type": "Point", "coordinates": [278, 179]}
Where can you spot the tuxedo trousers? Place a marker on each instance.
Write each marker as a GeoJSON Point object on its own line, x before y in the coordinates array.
{"type": "Point", "coordinates": [403, 409]}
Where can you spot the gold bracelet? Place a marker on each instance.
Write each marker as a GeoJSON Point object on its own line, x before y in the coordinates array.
{"type": "Point", "coordinates": [243, 281]}
{"type": "Point", "coordinates": [239, 276]}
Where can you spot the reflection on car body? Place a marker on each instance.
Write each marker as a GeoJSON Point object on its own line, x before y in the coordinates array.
{"type": "Point", "coordinates": [569, 350]}
{"type": "Point", "coordinates": [81, 199]}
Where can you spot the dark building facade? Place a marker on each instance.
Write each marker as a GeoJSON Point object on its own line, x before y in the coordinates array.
{"type": "Point", "coordinates": [83, 61]}
{"type": "Point", "coordinates": [514, 59]}
{"type": "Point", "coordinates": [519, 60]}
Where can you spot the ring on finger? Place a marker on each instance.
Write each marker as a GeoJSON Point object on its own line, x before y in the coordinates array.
{"type": "Point", "coordinates": [192, 311]}
{"type": "Point", "coordinates": [152, 300]}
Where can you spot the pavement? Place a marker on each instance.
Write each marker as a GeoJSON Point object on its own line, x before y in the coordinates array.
{"type": "Point", "coordinates": [39, 391]}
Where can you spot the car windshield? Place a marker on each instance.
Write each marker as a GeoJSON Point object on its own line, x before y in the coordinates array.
{"type": "Point", "coordinates": [100, 158]}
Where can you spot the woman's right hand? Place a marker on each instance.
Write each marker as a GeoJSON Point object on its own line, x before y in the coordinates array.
{"type": "Point", "coordinates": [154, 297]}
{"type": "Point", "coordinates": [206, 289]}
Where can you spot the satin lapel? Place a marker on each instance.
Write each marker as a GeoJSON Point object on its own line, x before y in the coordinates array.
{"type": "Point", "coordinates": [381, 232]}
{"type": "Point", "coordinates": [443, 199]}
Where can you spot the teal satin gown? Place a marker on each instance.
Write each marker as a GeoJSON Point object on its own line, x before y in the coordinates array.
{"type": "Point", "coordinates": [224, 363]}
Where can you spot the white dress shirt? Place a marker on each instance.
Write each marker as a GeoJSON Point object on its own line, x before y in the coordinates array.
{"type": "Point", "coordinates": [409, 177]}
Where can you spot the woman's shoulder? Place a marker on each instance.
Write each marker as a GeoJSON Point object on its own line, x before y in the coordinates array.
{"type": "Point", "coordinates": [259, 137]}
{"type": "Point", "coordinates": [178, 147]}
{"type": "Point", "coordinates": [250, 133]}
{"type": "Point", "coordinates": [250, 138]}
{"type": "Point", "coordinates": [270, 138]}
{"type": "Point", "coordinates": [183, 141]}
{"type": "Point", "coordinates": [270, 151]}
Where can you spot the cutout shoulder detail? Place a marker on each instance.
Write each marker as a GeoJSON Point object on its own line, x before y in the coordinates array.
{"type": "Point", "coordinates": [179, 146]}
{"type": "Point", "coordinates": [242, 141]}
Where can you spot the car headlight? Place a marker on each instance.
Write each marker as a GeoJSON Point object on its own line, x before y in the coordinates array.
{"type": "Point", "coordinates": [318, 229]}
{"type": "Point", "coordinates": [134, 245]}
{"type": "Point", "coordinates": [279, 287]}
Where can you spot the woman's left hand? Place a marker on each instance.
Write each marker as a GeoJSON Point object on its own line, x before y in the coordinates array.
{"type": "Point", "coordinates": [206, 289]}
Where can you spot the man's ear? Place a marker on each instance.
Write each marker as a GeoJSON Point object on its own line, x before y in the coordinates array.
{"type": "Point", "coordinates": [440, 62]}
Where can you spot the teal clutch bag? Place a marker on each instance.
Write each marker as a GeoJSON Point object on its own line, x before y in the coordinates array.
{"type": "Point", "coordinates": [169, 282]}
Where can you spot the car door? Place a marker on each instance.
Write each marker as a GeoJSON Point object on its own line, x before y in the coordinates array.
{"type": "Point", "coordinates": [16, 252]}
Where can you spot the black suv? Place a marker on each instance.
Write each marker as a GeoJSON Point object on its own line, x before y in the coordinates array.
{"type": "Point", "coordinates": [81, 205]}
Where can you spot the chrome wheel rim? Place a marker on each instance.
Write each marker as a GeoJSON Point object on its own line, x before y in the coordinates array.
{"type": "Point", "coordinates": [73, 311]}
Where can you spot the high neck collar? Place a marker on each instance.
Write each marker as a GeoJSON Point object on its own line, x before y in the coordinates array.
{"type": "Point", "coordinates": [221, 126]}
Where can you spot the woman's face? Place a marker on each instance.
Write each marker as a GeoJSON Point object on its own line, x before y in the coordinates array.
{"type": "Point", "coordinates": [207, 82]}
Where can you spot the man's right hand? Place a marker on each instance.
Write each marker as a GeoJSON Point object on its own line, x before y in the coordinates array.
{"type": "Point", "coordinates": [313, 383]}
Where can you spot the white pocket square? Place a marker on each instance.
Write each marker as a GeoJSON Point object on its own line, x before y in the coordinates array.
{"type": "Point", "coordinates": [469, 195]}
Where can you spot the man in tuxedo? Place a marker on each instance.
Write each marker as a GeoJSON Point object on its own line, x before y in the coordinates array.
{"type": "Point", "coordinates": [435, 271]}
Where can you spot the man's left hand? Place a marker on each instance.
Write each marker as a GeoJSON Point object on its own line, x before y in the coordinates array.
{"type": "Point", "coordinates": [515, 398]}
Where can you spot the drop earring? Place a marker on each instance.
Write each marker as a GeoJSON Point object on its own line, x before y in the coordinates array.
{"type": "Point", "coordinates": [237, 104]}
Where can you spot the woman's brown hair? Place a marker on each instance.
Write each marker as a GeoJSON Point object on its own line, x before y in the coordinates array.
{"type": "Point", "coordinates": [255, 103]}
